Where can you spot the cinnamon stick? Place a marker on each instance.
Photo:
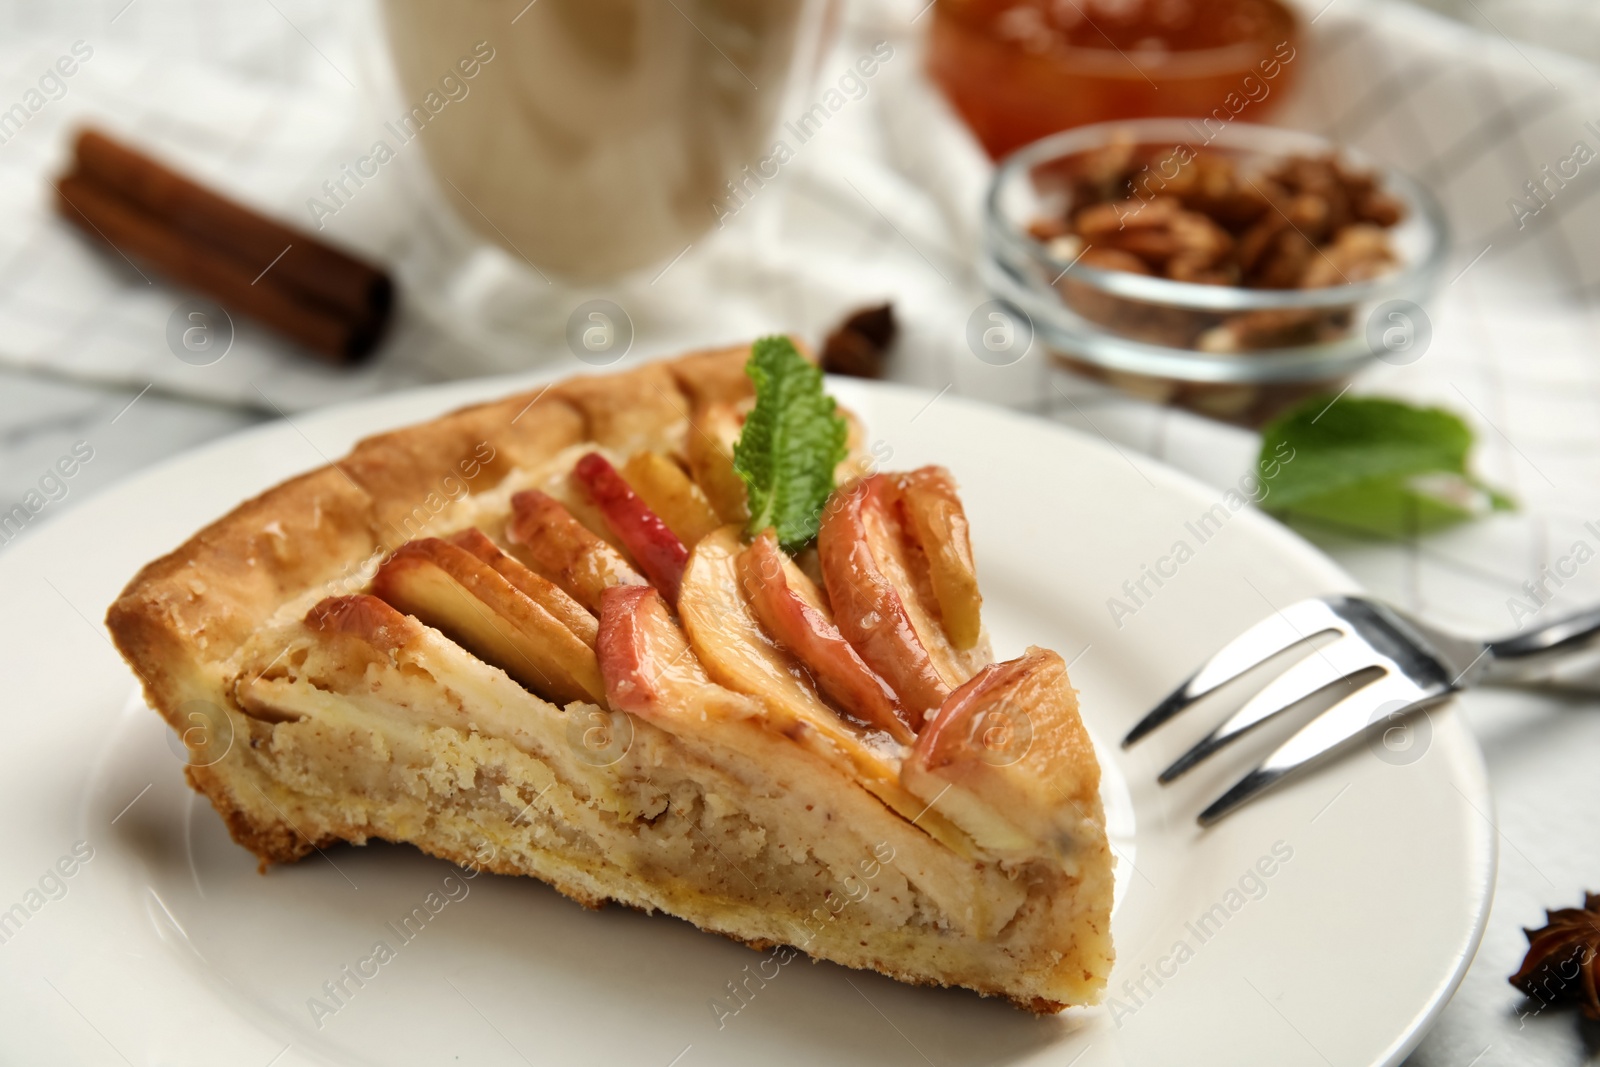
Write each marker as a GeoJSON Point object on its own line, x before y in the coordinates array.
{"type": "Point", "coordinates": [315, 270]}
{"type": "Point", "coordinates": [321, 328]}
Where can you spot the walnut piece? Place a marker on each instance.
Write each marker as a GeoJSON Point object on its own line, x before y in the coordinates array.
{"type": "Point", "coordinates": [1303, 222]}
{"type": "Point", "coordinates": [1208, 218]}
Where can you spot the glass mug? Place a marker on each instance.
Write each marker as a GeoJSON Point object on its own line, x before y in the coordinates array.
{"type": "Point", "coordinates": [592, 137]}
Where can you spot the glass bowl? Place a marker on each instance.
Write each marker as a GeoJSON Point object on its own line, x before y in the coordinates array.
{"type": "Point", "coordinates": [1158, 338]}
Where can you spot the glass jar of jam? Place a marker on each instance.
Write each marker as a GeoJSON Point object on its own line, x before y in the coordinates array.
{"type": "Point", "coordinates": [1017, 70]}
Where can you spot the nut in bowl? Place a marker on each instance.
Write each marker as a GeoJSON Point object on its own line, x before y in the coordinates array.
{"type": "Point", "coordinates": [1232, 270]}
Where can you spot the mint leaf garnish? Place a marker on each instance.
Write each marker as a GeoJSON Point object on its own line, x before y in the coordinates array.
{"type": "Point", "coordinates": [791, 442]}
{"type": "Point", "coordinates": [1379, 465]}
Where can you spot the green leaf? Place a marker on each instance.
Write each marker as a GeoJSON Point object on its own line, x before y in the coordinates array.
{"type": "Point", "coordinates": [1380, 465]}
{"type": "Point", "coordinates": [791, 442]}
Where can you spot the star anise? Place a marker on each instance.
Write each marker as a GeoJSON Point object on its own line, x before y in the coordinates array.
{"type": "Point", "coordinates": [858, 347]}
{"type": "Point", "coordinates": [1563, 961]}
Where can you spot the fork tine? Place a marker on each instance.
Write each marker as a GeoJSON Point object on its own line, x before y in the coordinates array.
{"type": "Point", "coordinates": [1347, 719]}
{"type": "Point", "coordinates": [1278, 632]}
{"type": "Point", "coordinates": [1340, 663]}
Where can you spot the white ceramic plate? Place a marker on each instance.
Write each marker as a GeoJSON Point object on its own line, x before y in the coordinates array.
{"type": "Point", "coordinates": [167, 947]}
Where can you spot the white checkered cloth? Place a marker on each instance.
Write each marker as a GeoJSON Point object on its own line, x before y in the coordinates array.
{"type": "Point", "coordinates": [266, 101]}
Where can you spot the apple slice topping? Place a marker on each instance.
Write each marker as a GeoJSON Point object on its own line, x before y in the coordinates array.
{"type": "Point", "coordinates": [547, 594]}
{"type": "Point", "coordinates": [656, 548]}
{"type": "Point", "coordinates": [566, 551]}
{"type": "Point", "coordinates": [995, 757]}
{"type": "Point", "coordinates": [365, 617]}
{"type": "Point", "coordinates": [668, 492]}
{"type": "Point", "coordinates": [362, 631]}
{"type": "Point", "coordinates": [709, 449]}
{"type": "Point", "coordinates": [451, 590]}
{"type": "Point", "coordinates": [736, 652]}
{"type": "Point", "coordinates": [648, 668]}
{"type": "Point", "coordinates": [938, 522]}
{"type": "Point", "coordinates": [875, 606]}
{"type": "Point", "coordinates": [789, 606]}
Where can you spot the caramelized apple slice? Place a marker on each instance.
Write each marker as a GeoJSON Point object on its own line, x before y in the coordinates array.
{"type": "Point", "coordinates": [737, 653]}
{"type": "Point", "coordinates": [729, 640]}
{"type": "Point", "coordinates": [789, 607]}
{"type": "Point", "coordinates": [565, 551]}
{"type": "Point", "coordinates": [363, 632]}
{"type": "Point", "coordinates": [668, 492]}
{"type": "Point", "coordinates": [875, 605]}
{"type": "Point", "coordinates": [1007, 759]}
{"type": "Point", "coordinates": [450, 589]}
{"type": "Point", "coordinates": [358, 632]}
{"type": "Point", "coordinates": [939, 523]}
{"type": "Point", "coordinates": [647, 666]}
{"type": "Point", "coordinates": [541, 590]}
{"type": "Point", "coordinates": [709, 448]}
{"type": "Point", "coordinates": [656, 548]}
{"type": "Point", "coordinates": [365, 617]}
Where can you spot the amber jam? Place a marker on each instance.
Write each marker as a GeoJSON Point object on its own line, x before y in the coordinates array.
{"type": "Point", "coordinates": [1017, 70]}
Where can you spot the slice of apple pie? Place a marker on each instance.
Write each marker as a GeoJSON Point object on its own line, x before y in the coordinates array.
{"type": "Point", "coordinates": [660, 637]}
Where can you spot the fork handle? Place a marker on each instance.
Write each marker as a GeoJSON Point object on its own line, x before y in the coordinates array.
{"type": "Point", "coordinates": [1529, 657]}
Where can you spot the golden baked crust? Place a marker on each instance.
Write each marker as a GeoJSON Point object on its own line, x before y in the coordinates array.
{"type": "Point", "coordinates": [215, 630]}
{"type": "Point", "coordinates": [198, 603]}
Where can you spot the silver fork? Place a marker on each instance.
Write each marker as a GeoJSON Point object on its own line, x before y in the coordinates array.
{"type": "Point", "coordinates": [1386, 663]}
